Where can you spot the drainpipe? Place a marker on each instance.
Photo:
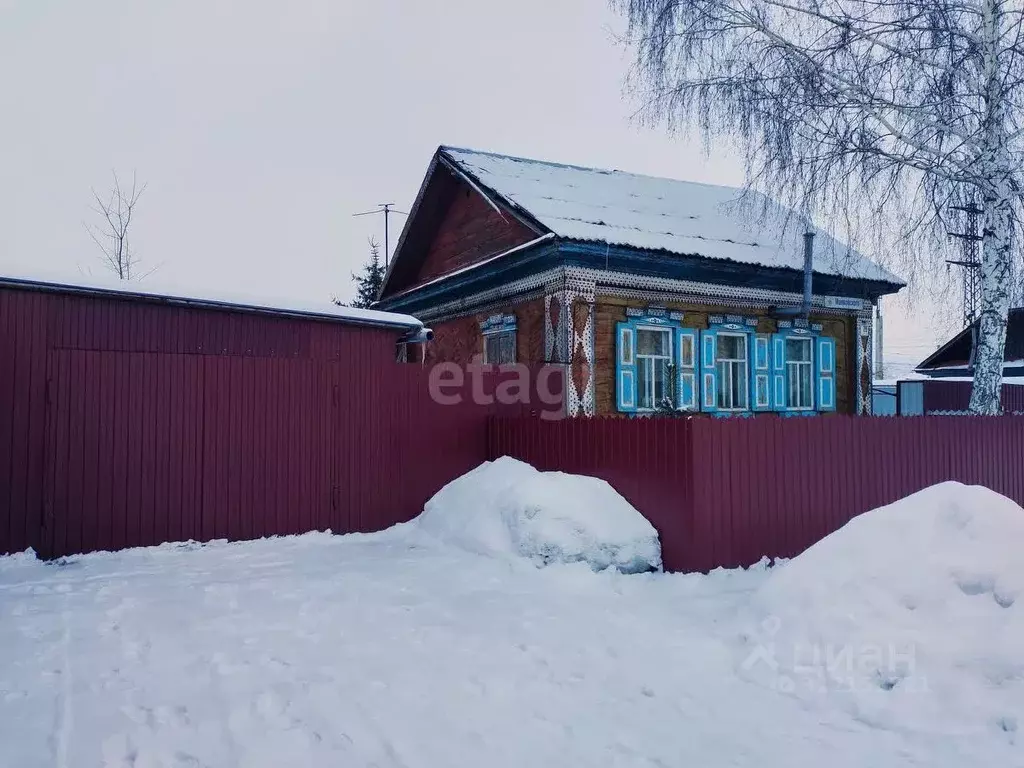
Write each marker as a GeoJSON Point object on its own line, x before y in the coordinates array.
{"type": "Point", "coordinates": [419, 336]}
{"type": "Point", "coordinates": [879, 349]}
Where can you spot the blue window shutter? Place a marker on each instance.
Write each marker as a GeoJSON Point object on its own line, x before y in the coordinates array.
{"type": "Point", "coordinates": [686, 364]}
{"type": "Point", "coordinates": [625, 367]}
{"type": "Point", "coordinates": [760, 374]}
{"type": "Point", "coordinates": [708, 372]}
{"type": "Point", "coordinates": [826, 373]}
{"type": "Point", "coordinates": [778, 371]}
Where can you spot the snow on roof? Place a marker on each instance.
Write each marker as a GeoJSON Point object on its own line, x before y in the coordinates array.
{"type": "Point", "coordinates": [681, 217]}
{"type": "Point", "coordinates": [1007, 365]}
{"type": "Point", "coordinates": [1015, 380]}
{"type": "Point", "coordinates": [154, 289]}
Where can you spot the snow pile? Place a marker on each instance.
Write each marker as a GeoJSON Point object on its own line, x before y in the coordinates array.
{"type": "Point", "coordinates": [507, 507]}
{"type": "Point", "coordinates": [912, 615]}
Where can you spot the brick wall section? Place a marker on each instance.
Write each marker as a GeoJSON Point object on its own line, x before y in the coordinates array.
{"type": "Point", "coordinates": [611, 310]}
{"type": "Point", "coordinates": [458, 340]}
{"type": "Point", "coordinates": [471, 230]}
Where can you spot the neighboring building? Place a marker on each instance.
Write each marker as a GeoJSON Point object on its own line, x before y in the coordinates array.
{"type": "Point", "coordinates": [653, 292]}
{"type": "Point", "coordinates": [944, 379]}
{"type": "Point", "coordinates": [955, 358]}
{"type": "Point", "coordinates": [951, 395]}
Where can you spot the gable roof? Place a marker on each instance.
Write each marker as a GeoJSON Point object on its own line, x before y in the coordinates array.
{"type": "Point", "coordinates": [958, 352]}
{"type": "Point", "coordinates": [656, 214]}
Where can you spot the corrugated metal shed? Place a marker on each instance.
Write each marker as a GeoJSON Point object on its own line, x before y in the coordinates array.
{"type": "Point", "coordinates": [128, 418]}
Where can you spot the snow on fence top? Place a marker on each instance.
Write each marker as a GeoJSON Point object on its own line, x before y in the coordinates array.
{"type": "Point", "coordinates": [681, 217]}
{"type": "Point", "coordinates": [155, 289]}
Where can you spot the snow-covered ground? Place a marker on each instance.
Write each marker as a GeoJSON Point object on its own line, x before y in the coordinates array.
{"type": "Point", "coordinates": [402, 649]}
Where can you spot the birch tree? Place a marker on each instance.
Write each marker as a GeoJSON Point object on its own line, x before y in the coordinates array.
{"type": "Point", "coordinates": [897, 108]}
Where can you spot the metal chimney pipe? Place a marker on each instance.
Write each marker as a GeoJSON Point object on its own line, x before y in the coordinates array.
{"type": "Point", "coordinates": [805, 308]}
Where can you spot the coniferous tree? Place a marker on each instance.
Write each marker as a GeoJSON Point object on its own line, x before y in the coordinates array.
{"type": "Point", "coordinates": [369, 283]}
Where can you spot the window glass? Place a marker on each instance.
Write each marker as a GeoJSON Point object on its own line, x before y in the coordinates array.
{"type": "Point", "coordinates": [799, 373]}
{"type": "Point", "coordinates": [650, 342]}
{"type": "Point", "coordinates": [732, 371]}
{"type": "Point", "coordinates": [500, 348]}
{"type": "Point", "coordinates": [798, 350]}
{"type": "Point", "coordinates": [731, 347]}
{"type": "Point", "coordinates": [653, 356]}
{"type": "Point", "coordinates": [643, 385]}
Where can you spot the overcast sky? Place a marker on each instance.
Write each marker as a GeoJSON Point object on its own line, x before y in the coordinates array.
{"type": "Point", "coordinates": [260, 127]}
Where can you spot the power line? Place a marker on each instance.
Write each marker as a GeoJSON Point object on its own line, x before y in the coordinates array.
{"type": "Point", "coordinates": [387, 209]}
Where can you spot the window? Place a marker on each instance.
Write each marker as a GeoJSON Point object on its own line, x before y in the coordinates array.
{"type": "Point", "coordinates": [500, 348]}
{"type": "Point", "coordinates": [731, 367]}
{"type": "Point", "coordinates": [656, 362]}
{"type": "Point", "coordinates": [653, 357]}
{"type": "Point", "coordinates": [799, 373]}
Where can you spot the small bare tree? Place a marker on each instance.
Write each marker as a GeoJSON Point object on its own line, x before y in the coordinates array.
{"type": "Point", "coordinates": [111, 235]}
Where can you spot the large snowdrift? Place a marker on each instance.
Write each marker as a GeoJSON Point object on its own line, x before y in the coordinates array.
{"type": "Point", "coordinates": [507, 507]}
{"type": "Point", "coordinates": [912, 615]}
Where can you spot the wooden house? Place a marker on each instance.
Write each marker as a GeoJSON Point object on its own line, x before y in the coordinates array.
{"type": "Point", "coordinates": [656, 294]}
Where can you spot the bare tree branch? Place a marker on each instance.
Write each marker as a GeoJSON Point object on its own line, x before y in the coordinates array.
{"type": "Point", "coordinates": [880, 114]}
{"type": "Point", "coordinates": [111, 234]}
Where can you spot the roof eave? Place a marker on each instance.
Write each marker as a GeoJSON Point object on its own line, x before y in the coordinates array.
{"type": "Point", "coordinates": [873, 287]}
{"type": "Point", "coordinates": [928, 363]}
{"type": "Point", "coordinates": [413, 211]}
{"type": "Point", "coordinates": [491, 195]}
{"type": "Point", "coordinates": [201, 303]}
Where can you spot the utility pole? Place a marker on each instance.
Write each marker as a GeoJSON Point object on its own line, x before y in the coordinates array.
{"type": "Point", "coordinates": [387, 209]}
{"type": "Point", "coordinates": [970, 262]}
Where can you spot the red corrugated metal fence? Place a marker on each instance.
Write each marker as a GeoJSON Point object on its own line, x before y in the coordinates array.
{"type": "Point", "coordinates": [942, 395]}
{"type": "Point", "coordinates": [144, 448]}
{"type": "Point", "coordinates": [726, 492]}
{"type": "Point", "coordinates": [126, 423]}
